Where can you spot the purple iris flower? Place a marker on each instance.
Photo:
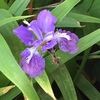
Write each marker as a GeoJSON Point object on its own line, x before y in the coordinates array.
{"type": "Point", "coordinates": [41, 33]}
{"type": "Point", "coordinates": [43, 28]}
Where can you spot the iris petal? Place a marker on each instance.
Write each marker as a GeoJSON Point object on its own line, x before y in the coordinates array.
{"type": "Point", "coordinates": [46, 21]}
{"type": "Point", "coordinates": [25, 35]}
{"type": "Point", "coordinates": [67, 41]}
{"type": "Point", "coordinates": [48, 36]}
{"type": "Point", "coordinates": [34, 27]}
{"type": "Point", "coordinates": [37, 43]}
{"type": "Point", "coordinates": [36, 64]}
{"type": "Point", "coordinates": [49, 45]}
{"type": "Point", "coordinates": [73, 37]}
{"type": "Point", "coordinates": [39, 64]}
{"type": "Point", "coordinates": [67, 46]}
{"type": "Point", "coordinates": [62, 43]}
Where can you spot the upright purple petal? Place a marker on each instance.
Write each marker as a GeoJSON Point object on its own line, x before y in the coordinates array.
{"type": "Point", "coordinates": [34, 27]}
{"type": "Point", "coordinates": [48, 36]}
{"type": "Point", "coordinates": [32, 62]}
{"type": "Point", "coordinates": [48, 41]}
{"type": "Point", "coordinates": [49, 45]}
{"type": "Point", "coordinates": [46, 21]}
{"type": "Point", "coordinates": [25, 35]}
{"type": "Point", "coordinates": [37, 43]}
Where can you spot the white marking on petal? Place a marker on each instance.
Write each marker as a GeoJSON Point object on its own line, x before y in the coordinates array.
{"type": "Point", "coordinates": [64, 35]}
{"type": "Point", "coordinates": [48, 36]}
{"type": "Point", "coordinates": [30, 29]}
{"type": "Point", "coordinates": [25, 22]}
{"type": "Point", "coordinates": [32, 51]}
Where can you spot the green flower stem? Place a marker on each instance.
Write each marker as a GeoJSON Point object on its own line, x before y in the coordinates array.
{"type": "Point", "coordinates": [85, 57]}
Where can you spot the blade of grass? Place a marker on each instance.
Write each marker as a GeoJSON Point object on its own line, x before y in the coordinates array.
{"type": "Point", "coordinates": [86, 4]}
{"type": "Point", "coordinates": [11, 19]}
{"type": "Point", "coordinates": [11, 94]}
{"type": "Point", "coordinates": [10, 68]}
{"type": "Point", "coordinates": [66, 86]}
{"type": "Point", "coordinates": [18, 7]}
{"type": "Point", "coordinates": [6, 30]}
{"type": "Point", "coordinates": [84, 18]}
{"type": "Point", "coordinates": [3, 80]}
{"type": "Point", "coordinates": [85, 57]}
{"type": "Point", "coordinates": [4, 90]}
{"type": "Point", "coordinates": [3, 4]}
{"type": "Point", "coordinates": [63, 9]}
{"type": "Point", "coordinates": [87, 88]}
{"type": "Point", "coordinates": [69, 21]}
{"type": "Point", "coordinates": [43, 81]}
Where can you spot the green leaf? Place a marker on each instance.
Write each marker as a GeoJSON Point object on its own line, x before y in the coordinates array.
{"type": "Point", "coordinates": [6, 30]}
{"type": "Point", "coordinates": [18, 7]}
{"type": "Point", "coordinates": [43, 81]}
{"type": "Point", "coordinates": [85, 57]}
{"type": "Point", "coordinates": [64, 82]}
{"type": "Point", "coordinates": [86, 4]}
{"type": "Point", "coordinates": [94, 9]}
{"type": "Point", "coordinates": [84, 18]}
{"type": "Point", "coordinates": [63, 9]}
{"type": "Point", "coordinates": [3, 80]}
{"type": "Point", "coordinates": [11, 19]}
{"type": "Point", "coordinates": [4, 90]}
{"type": "Point", "coordinates": [11, 94]}
{"type": "Point", "coordinates": [72, 67]}
{"type": "Point", "coordinates": [3, 4]}
{"type": "Point", "coordinates": [87, 88]}
{"type": "Point", "coordinates": [69, 21]}
{"type": "Point", "coordinates": [42, 94]}
{"type": "Point", "coordinates": [10, 68]}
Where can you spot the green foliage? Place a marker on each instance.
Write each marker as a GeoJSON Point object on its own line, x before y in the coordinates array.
{"type": "Point", "coordinates": [4, 90]}
{"type": "Point", "coordinates": [66, 86]}
{"type": "Point", "coordinates": [16, 75]}
{"type": "Point", "coordinates": [18, 7]}
{"type": "Point", "coordinates": [78, 72]}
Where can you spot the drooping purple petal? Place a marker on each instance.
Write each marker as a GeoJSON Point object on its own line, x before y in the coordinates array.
{"type": "Point", "coordinates": [34, 27]}
{"type": "Point", "coordinates": [73, 36]}
{"type": "Point", "coordinates": [25, 35]}
{"type": "Point", "coordinates": [46, 21]}
{"type": "Point", "coordinates": [67, 46]}
{"type": "Point", "coordinates": [67, 41]}
{"type": "Point", "coordinates": [63, 44]}
{"type": "Point", "coordinates": [32, 62]}
{"type": "Point", "coordinates": [72, 47]}
{"type": "Point", "coordinates": [26, 53]}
